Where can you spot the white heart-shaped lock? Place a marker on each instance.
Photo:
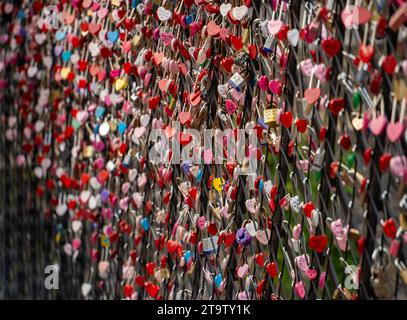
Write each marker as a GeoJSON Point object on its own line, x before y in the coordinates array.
{"type": "Point", "coordinates": [85, 289]}
{"type": "Point", "coordinates": [239, 12]}
{"type": "Point", "coordinates": [225, 8]}
{"type": "Point", "coordinates": [76, 225]}
{"type": "Point", "coordinates": [163, 14]}
{"type": "Point", "coordinates": [61, 209]}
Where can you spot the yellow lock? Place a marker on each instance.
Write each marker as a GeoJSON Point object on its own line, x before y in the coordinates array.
{"type": "Point", "coordinates": [245, 36]}
{"type": "Point", "coordinates": [270, 117]}
{"type": "Point", "coordinates": [135, 41]}
{"type": "Point", "coordinates": [218, 184]}
{"type": "Point", "coordinates": [65, 72]}
{"type": "Point", "coordinates": [116, 2]}
{"type": "Point", "coordinates": [88, 152]}
{"type": "Point", "coordinates": [403, 221]}
{"type": "Point", "coordinates": [120, 84]}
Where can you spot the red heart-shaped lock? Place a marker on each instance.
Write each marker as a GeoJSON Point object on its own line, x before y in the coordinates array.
{"type": "Point", "coordinates": [389, 64]}
{"type": "Point", "coordinates": [286, 119]}
{"type": "Point", "coordinates": [308, 208]}
{"type": "Point", "coordinates": [152, 289]}
{"type": "Point", "coordinates": [318, 243]}
{"type": "Point", "coordinates": [384, 162]}
{"type": "Point", "coordinates": [227, 64]}
{"type": "Point", "coordinates": [140, 281]}
{"type": "Point", "coordinates": [331, 46]}
{"type": "Point", "coordinates": [271, 269]}
{"type": "Point", "coordinates": [336, 105]}
{"type": "Point", "coordinates": [301, 125]}
{"type": "Point", "coordinates": [389, 228]}
{"type": "Point", "coordinates": [366, 53]}
{"type": "Point", "coordinates": [128, 290]}
{"type": "Point", "coordinates": [150, 266]}
{"type": "Point", "coordinates": [345, 142]}
{"type": "Point", "coordinates": [259, 259]}
{"type": "Point", "coordinates": [172, 246]}
{"type": "Point", "coordinates": [212, 229]}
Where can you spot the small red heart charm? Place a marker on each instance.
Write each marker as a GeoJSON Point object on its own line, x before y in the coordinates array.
{"type": "Point", "coordinates": [236, 42]}
{"type": "Point", "coordinates": [271, 269]}
{"type": "Point", "coordinates": [389, 64]}
{"type": "Point", "coordinates": [229, 238]}
{"type": "Point", "coordinates": [308, 208]}
{"type": "Point", "coordinates": [150, 267]}
{"type": "Point", "coordinates": [128, 290]}
{"type": "Point", "coordinates": [259, 258]}
{"type": "Point", "coordinates": [286, 119]}
{"type": "Point", "coordinates": [331, 46]}
{"type": "Point", "coordinates": [153, 102]}
{"type": "Point", "coordinates": [384, 162]}
{"type": "Point", "coordinates": [252, 51]}
{"type": "Point", "coordinates": [152, 289]}
{"type": "Point", "coordinates": [140, 281]}
{"type": "Point", "coordinates": [172, 246]}
{"type": "Point", "coordinates": [212, 229]}
{"type": "Point", "coordinates": [366, 53]}
{"type": "Point", "coordinates": [345, 142]}
{"type": "Point", "coordinates": [227, 64]}
{"type": "Point", "coordinates": [318, 243]}
{"type": "Point", "coordinates": [336, 105]}
{"type": "Point", "coordinates": [389, 228]}
{"type": "Point", "coordinates": [301, 125]}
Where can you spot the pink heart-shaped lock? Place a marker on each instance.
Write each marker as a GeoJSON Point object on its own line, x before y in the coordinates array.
{"type": "Point", "coordinates": [263, 83]}
{"type": "Point", "coordinates": [394, 131]}
{"type": "Point", "coordinates": [299, 290]}
{"type": "Point", "coordinates": [398, 166]}
{"type": "Point", "coordinates": [378, 124]}
{"type": "Point", "coordinates": [297, 231]}
{"type": "Point", "coordinates": [311, 274]}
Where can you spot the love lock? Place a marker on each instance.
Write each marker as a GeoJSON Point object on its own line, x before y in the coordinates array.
{"type": "Point", "coordinates": [382, 277]}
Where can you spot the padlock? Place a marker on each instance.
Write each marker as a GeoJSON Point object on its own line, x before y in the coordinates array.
{"type": "Point", "coordinates": [402, 270]}
{"type": "Point", "coordinates": [403, 221]}
{"type": "Point", "coordinates": [270, 117]}
{"type": "Point", "coordinates": [268, 44]}
{"type": "Point", "coordinates": [382, 274]}
{"type": "Point", "coordinates": [88, 151]}
{"type": "Point", "coordinates": [237, 82]}
{"type": "Point", "coordinates": [210, 244]}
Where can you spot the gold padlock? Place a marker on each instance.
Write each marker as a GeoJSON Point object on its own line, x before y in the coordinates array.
{"type": "Point", "coordinates": [212, 196]}
{"type": "Point", "coordinates": [270, 117]}
{"type": "Point", "coordinates": [88, 151]}
{"type": "Point", "coordinates": [403, 221]}
{"type": "Point", "coordinates": [402, 270]}
{"type": "Point", "coordinates": [113, 125]}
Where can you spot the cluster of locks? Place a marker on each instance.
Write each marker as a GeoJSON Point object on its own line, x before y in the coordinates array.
{"type": "Point", "coordinates": [205, 149]}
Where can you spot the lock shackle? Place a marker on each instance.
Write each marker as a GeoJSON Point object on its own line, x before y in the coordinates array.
{"type": "Point", "coordinates": [376, 252]}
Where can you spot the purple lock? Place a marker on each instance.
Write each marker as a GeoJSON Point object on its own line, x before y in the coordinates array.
{"type": "Point", "coordinates": [104, 195]}
{"type": "Point", "coordinates": [243, 237]}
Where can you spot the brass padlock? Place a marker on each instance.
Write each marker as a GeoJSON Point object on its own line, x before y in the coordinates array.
{"type": "Point", "coordinates": [113, 125]}
{"type": "Point", "coordinates": [403, 221]}
{"type": "Point", "coordinates": [270, 117]}
{"type": "Point", "coordinates": [88, 151]}
{"type": "Point", "coordinates": [402, 270]}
